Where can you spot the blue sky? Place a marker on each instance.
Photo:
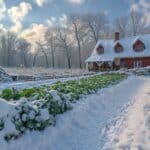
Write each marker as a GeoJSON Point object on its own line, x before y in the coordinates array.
{"type": "Point", "coordinates": [56, 8]}
{"type": "Point", "coordinates": [31, 17]}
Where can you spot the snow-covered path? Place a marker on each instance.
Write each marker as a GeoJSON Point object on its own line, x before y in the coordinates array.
{"type": "Point", "coordinates": [135, 132]}
{"type": "Point", "coordinates": [85, 127]}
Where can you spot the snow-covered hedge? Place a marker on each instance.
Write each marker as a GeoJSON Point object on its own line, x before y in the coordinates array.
{"type": "Point", "coordinates": [36, 108]}
{"type": "Point", "coordinates": [29, 117]}
{"type": "Point", "coordinates": [137, 71]}
{"type": "Point", "coordinates": [1, 124]}
{"type": "Point", "coordinates": [4, 77]}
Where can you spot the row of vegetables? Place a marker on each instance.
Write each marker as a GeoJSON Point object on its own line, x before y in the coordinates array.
{"type": "Point", "coordinates": [37, 107]}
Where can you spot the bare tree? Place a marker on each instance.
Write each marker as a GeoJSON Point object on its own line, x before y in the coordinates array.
{"type": "Point", "coordinates": [137, 22]}
{"type": "Point", "coordinates": [24, 47]}
{"type": "Point", "coordinates": [121, 24]}
{"type": "Point", "coordinates": [96, 24]}
{"type": "Point", "coordinates": [3, 49]}
{"type": "Point", "coordinates": [78, 28]}
{"type": "Point", "coordinates": [50, 39]}
{"type": "Point", "coordinates": [41, 49]}
{"type": "Point", "coordinates": [64, 42]}
{"type": "Point", "coordinates": [34, 58]}
{"type": "Point", "coordinates": [9, 44]}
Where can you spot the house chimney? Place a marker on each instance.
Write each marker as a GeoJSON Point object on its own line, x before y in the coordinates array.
{"type": "Point", "coordinates": [117, 36]}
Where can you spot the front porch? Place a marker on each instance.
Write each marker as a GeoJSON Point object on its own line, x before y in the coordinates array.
{"type": "Point", "coordinates": [118, 63]}
{"type": "Point", "coordinates": [99, 66]}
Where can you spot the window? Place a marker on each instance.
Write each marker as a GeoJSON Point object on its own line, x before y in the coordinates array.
{"type": "Point", "coordinates": [138, 46]}
{"type": "Point", "coordinates": [118, 48]}
{"type": "Point", "coordinates": [137, 64]}
{"type": "Point", "coordinates": [100, 49]}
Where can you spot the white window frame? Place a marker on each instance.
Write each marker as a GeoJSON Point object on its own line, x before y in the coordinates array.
{"type": "Point", "coordinates": [137, 64]}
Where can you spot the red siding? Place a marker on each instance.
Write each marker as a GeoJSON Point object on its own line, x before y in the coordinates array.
{"type": "Point", "coordinates": [129, 62]}
{"type": "Point", "coordinates": [95, 66]}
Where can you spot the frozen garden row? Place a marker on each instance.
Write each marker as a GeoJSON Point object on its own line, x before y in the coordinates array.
{"type": "Point", "coordinates": [36, 108]}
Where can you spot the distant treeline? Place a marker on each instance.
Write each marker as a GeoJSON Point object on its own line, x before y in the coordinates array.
{"type": "Point", "coordinates": [68, 46]}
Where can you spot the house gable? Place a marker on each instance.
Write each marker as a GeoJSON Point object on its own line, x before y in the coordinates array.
{"type": "Point", "coordinates": [138, 46]}
{"type": "Point", "coordinates": [100, 49]}
{"type": "Point", "coordinates": [118, 48]}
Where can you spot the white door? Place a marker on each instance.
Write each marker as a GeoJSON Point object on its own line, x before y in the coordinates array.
{"type": "Point", "coordinates": [137, 64]}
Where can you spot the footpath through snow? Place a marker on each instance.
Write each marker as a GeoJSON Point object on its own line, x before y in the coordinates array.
{"type": "Point", "coordinates": [86, 126]}
{"type": "Point", "coordinates": [134, 134]}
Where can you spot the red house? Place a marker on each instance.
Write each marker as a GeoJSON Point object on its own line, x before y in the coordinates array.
{"type": "Point", "coordinates": [128, 53]}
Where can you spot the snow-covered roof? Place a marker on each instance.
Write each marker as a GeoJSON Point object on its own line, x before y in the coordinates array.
{"type": "Point", "coordinates": [128, 52]}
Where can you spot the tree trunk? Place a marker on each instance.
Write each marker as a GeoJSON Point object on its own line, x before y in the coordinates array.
{"type": "Point", "coordinates": [79, 50]}
{"type": "Point", "coordinates": [24, 59]}
{"type": "Point", "coordinates": [46, 60]}
{"type": "Point", "coordinates": [79, 47]}
{"type": "Point", "coordinates": [34, 60]}
{"type": "Point", "coordinates": [69, 62]}
{"type": "Point", "coordinates": [8, 58]}
{"type": "Point", "coordinates": [53, 63]}
{"type": "Point", "coordinates": [68, 56]}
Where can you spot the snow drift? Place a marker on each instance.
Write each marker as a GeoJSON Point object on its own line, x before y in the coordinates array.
{"type": "Point", "coordinates": [4, 77]}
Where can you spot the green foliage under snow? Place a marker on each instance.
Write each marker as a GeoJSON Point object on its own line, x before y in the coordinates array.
{"type": "Point", "coordinates": [37, 107]}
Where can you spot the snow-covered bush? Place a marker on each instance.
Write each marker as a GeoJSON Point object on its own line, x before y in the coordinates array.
{"type": "Point", "coordinates": [27, 116]}
{"type": "Point", "coordinates": [76, 88]}
{"type": "Point", "coordinates": [10, 94]}
{"type": "Point", "coordinates": [4, 77]}
{"type": "Point", "coordinates": [55, 102]}
{"type": "Point", "coordinates": [35, 115]}
{"type": "Point", "coordinates": [10, 136]}
{"type": "Point", "coordinates": [1, 124]}
{"type": "Point", "coordinates": [30, 117]}
{"type": "Point", "coordinates": [6, 94]}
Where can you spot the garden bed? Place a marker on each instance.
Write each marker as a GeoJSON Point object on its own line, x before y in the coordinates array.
{"type": "Point", "coordinates": [36, 108]}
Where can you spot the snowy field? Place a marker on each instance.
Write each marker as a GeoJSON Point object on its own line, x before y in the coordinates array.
{"type": "Point", "coordinates": [44, 71]}
{"type": "Point", "coordinates": [117, 117]}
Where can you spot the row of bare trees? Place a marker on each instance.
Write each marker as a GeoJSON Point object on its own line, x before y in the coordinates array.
{"type": "Point", "coordinates": [68, 46]}
{"type": "Point", "coordinates": [13, 50]}
{"type": "Point", "coordinates": [82, 30]}
{"type": "Point", "coordinates": [132, 25]}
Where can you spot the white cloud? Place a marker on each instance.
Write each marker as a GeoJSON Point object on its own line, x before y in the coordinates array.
{"type": "Point", "coordinates": [78, 2]}
{"type": "Point", "coordinates": [16, 27]}
{"type": "Point", "coordinates": [135, 7]}
{"type": "Point", "coordinates": [143, 7]}
{"type": "Point", "coordinates": [34, 33]}
{"type": "Point", "coordinates": [145, 4]}
{"type": "Point", "coordinates": [2, 9]}
{"type": "Point", "coordinates": [40, 3]}
{"type": "Point", "coordinates": [17, 13]}
{"type": "Point", "coordinates": [2, 28]}
{"type": "Point", "coordinates": [60, 21]}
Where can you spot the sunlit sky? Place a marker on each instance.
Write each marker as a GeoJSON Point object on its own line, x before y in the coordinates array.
{"type": "Point", "coordinates": [29, 16]}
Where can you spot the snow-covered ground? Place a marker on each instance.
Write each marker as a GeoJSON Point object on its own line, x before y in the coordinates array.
{"type": "Point", "coordinates": [120, 112]}
{"type": "Point", "coordinates": [134, 133]}
{"type": "Point", "coordinates": [39, 71]}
